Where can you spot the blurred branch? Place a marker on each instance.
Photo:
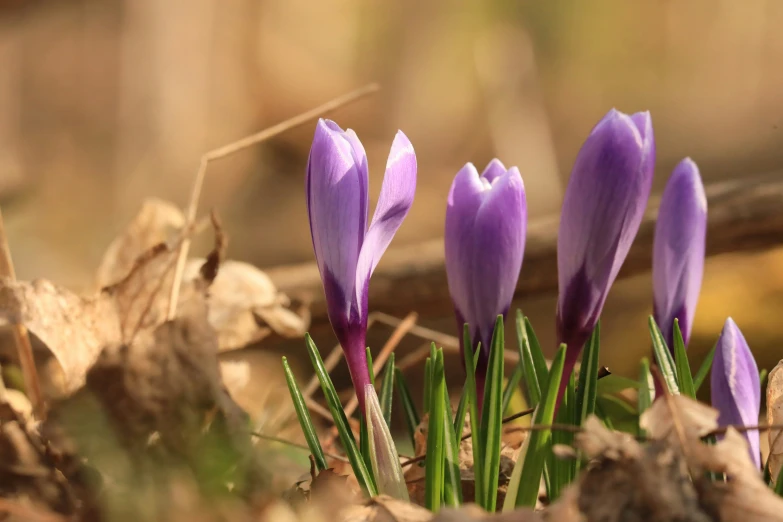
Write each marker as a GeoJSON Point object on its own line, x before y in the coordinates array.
{"type": "Point", "coordinates": [231, 148]}
{"type": "Point", "coordinates": [744, 215]}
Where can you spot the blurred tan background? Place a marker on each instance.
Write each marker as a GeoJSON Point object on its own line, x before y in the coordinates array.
{"type": "Point", "coordinates": [106, 102]}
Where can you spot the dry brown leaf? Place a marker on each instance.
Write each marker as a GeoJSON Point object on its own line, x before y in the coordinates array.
{"type": "Point", "coordinates": [385, 509]}
{"type": "Point", "coordinates": [245, 307]}
{"type": "Point", "coordinates": [75, 329]}
{"type": "Point", "coordinates": [473, 513]}
{"type": "Point", "coordinates": [775, 416]}
{"type": "Point", "coordinates": [744, 497]}
{"type": "Point", "coordinates": [697, 419]}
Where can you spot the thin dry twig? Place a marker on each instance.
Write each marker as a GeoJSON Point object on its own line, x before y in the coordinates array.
{"type": "Point", "coordinates": [233, 147]}
{"type": "Point", "coordinates": [271, 438]}
{"type": "Point", "coordinates": [21, 337]}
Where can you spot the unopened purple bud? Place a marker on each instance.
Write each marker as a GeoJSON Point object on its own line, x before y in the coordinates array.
{"type": "Point", "coordinates": [736, 390]}
{"type": "Point", "coordinates": [603, 207]}
{"type": "Point", "coordinates": [486, 223]}
{"type": "Point", "coordinates": [346, 250]}
{"type": "Point", "coordinates": [678, 251]}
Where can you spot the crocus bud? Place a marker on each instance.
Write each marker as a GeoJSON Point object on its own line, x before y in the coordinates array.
{"type": "Point", "coordinates": [678, 250]}
{"type": "Point", "coordinates": [486, 221]}
{"type": "Point", "coordinates": [602, 209]}
{"type": "Point", "coordinates": [346, 250]}
{"type": "Point", "coordinates": [736, 390]}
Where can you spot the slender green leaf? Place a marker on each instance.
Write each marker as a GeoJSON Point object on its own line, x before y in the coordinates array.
{"type": "Point", "coordinates": [427, 384]}
{"type": "Point", "coordinates": [615, 383]}
{"type": "Point", "coordinates": [664, 357]}
{"type": "Point", "coordinates": [684, 376]}
{"type": "Point", "coordinates": [559, 469]}
{"type": "Point", "coordinates": [763, 374]}
{"type": "Point", "coordinates": [370, 369]}
{"type": "Point", "coordinates": [387, 390]}
{"type": "Point", "coordinates": [384, 459]}
{"type": "Point", "coordinates": [364, 443]}
{"type": "Point", "coordinates": [452, 481]}
{"type": "Point", "coordinates": [511, 386]}
{"type": "Point", "coordinates": [601, 414]}
{"type": "Point", "coordinates": [412, 418]}
{"type": "Point", "coordinates": [462, 407]}
{"type": "Point", "coordinates": [644, 398]}
{"type": "Point", "coordinates": [311, 436]}
{"type": "Point", "coordinates": [587, 391]}
{"type": "Point", "coordinates": [704, 370]}
{"type": "Point", "coordinates": [622, 414]}
{"type": "Point", "coordinates": [526, 478]}
{"type": "Point", "coordinates": [532, 360]}
{"type": "Point", "coordinates": [766, 475]}
{"type": "Point", "coordinates": [475, 429]}
{"type": "Point", "coordinates": [363, 476]}
{"type": "Point", "coordinates": [492, 418]}
{"type": "Point", "coordinates": [434, 462]}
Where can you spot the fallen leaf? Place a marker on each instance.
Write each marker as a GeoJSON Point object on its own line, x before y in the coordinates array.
{"type": "Point", "coordinates": [245, 307]}
{"type": "Point", "coordinates": [74, 328]}
{"type": "Point", "coordinates": [775, 416]}
{"type": "Point", "coordinates": [695, 418]}
{"type": "Point", "coordinates": [385, 509]}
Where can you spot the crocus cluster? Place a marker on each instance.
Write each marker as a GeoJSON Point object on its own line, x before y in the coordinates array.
{"type": "Point", "coordinates": [346, 249]}
{"type": "Point", "coordinates": [603, 207]}
{"type": "Point", "coordinates": [678, 251]}
{"type": "Point", "coordinates": [736, 390]}
{"type": "Point", "coordinates": [486, 218]}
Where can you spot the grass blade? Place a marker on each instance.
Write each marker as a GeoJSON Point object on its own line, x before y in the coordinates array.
{"type": "Point", "coordinates": [532, 360]}
{"type": "Point", "coordinates": [311, 436]}
{"type": "Point", "coordinates": [763, 374]}
{"type": "Point", "coordinates": [452, 480]}
{"type": "Point", "coordinates": [462, 407]}
{"type": "Point", "coordinates": [664, 357]}
{"type": "Point", "coordinates": [511, 386]}
{"type": "Point", "coordinates": [684, 376]}
{"type": "Point", "coordinates": [704, 370]}
{"type": "Point", "coordinates": [779, 483]}
{"type": "Point", "coordinates": [644, 399]}
{"type": "Point", "coordinates": [525, 481]}
{"type": "Point", "coordinates": [370, 369]}
{"type": "Point", "coordinates": [412, 418]}
{"type": "Point", "coordinates": [363, 476]}
{"type": "Point", "coordinates": [387, 390]}
{"type": "Point", "coordinates": [434, 462]}
{"type": "Point", "coordinates": [560, 471]}
{"type": "Point", "coordinates": [427, 384]}
{"type": "Point", "coordinates": [587, 391]}
{"type": "Point", "coordinates": [492, 418]}
{"type": "Point", "coordinates": [475, 429]}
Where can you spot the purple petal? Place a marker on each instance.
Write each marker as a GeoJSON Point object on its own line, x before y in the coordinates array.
{"type": "Point", "coordinates": [394, 202]}
{"type": "Point", "coordinates": [336, 204]}
{"type": "Point", "coordinates": [494, 170]}
{"type": "Point", "coordinates": [602, 209]}
{"type": "Point", "coordinates": [498, 240]}
{"type": "Point", "coordinates": [463, 202]}
{"type": "Point", "coordinates": [736, 391]}
{"type": "Point", "coordinates": [678, 250]}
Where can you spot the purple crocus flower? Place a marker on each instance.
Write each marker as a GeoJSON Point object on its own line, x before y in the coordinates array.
{"type": "Point", "coordinates": [678, 251]}
{"type": "Point", "coordinates": [486, 221]}
{"type": "Point", "coordinates": [602, 209]}
{"type": "Point", "coordinates": [346, 250]}
{"type": "Point", "coordinates": [736, 390]}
